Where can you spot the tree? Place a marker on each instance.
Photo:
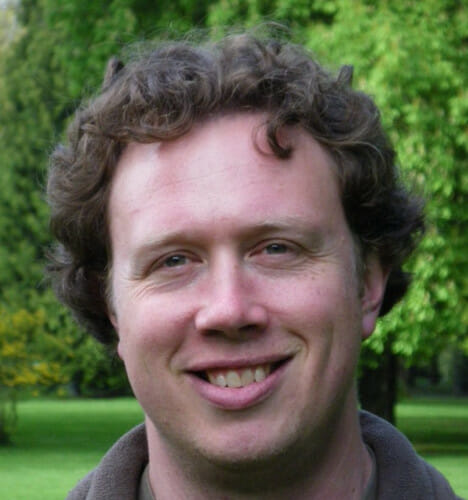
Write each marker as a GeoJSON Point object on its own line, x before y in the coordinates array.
{"type": "Point", "coordinates": [43, 70]}
{"type": "Point", "coordinates": [415, 64]}
{"type": "Point", "coordinates": [23, 350]}
{"type": "Point", "coordinates": [52, 54]}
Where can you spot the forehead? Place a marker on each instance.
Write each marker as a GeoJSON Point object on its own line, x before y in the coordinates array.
{"type": "Point", "coordinates": [225, 168]}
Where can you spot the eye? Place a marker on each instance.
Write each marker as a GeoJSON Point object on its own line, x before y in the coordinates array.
{"type": "Point", "coordinates": [170, 267]}
{"type": "Point", "coordinates": [276, 248]}
{"type": "Point", "coordinates": [175, 260]}
{"type": "Point", "coordinates": [278, 253]}
{"type": "Point", "coordinates": [173, 266]}
{"type": "Point", "coordinates": [275, 252]}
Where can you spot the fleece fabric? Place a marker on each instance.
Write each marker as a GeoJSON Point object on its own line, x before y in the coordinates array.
{"type": "Point", "coordinates": [401, 473]}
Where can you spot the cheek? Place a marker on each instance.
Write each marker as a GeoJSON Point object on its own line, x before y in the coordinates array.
{"type": "Point", "coordinates": [326, 318]}
{"type": "Point", "coordinates": [326, 300]}
{"type": "Point", "coordinates": [148, 327]}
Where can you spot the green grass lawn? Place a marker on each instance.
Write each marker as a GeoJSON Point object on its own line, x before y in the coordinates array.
{"type": "Point", "coordinates": [438, 428]}
{"type": "Point", "coordinates": [58, 442]}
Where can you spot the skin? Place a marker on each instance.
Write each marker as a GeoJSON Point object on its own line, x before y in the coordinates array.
{"type": "Point", "coordinates": [224, 256]}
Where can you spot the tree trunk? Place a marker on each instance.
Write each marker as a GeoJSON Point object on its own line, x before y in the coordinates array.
{"type": "Point", "coordinates": [378, 385]}
{"type": "Point", "coordinates": [8, 415]}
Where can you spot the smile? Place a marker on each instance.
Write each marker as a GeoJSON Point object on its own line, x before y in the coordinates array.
{"type": "Point", "coordinates": [239, 386]}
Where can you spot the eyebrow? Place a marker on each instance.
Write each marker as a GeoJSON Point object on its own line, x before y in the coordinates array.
{"type": "Point", "coordinates": [190, 235]}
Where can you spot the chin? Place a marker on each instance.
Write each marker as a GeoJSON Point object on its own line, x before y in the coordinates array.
{"type": "Point", "coordinates": [250, 450]}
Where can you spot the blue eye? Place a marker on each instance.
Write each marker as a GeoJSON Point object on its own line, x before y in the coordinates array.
{"type": "Point", "coordinates": [175, 260]}
{"type": "Point", "coordinates": [276, 248]}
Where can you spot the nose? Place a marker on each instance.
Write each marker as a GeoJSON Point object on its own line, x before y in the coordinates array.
{"type": "Point", "coordinates": [230, 307]}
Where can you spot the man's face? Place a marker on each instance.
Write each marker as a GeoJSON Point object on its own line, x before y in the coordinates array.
{"type": "Point", "coordinates": [235, 294]}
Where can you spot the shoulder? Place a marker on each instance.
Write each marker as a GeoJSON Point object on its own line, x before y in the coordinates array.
{"type": "Point", "coordinates": [118, 474]}
{"type": "Point", "coordinates": [401, 473]}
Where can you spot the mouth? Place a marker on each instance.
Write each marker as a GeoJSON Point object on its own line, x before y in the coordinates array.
{"type": "Point", "coordinates": [241, 384]}
{"type": "Point", "coordinates": [236, 378]}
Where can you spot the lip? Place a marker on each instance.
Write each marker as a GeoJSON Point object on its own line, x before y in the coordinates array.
{"type": "Point", "coordinates": [239, 363]}
{"type": "Point", "coordinates": [240, 398]}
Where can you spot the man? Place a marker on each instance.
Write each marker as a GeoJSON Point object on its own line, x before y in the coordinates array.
{"type": "Point", "coordinates": [229, 217]}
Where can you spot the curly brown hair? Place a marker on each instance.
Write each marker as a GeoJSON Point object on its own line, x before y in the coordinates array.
{"type": "Point", "coordinates": [162, 92]}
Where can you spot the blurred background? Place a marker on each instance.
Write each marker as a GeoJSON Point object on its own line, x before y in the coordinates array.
{"type": "Point", "coordinates": [410, 56]}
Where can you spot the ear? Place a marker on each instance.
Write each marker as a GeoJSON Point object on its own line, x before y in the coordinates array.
{"type": "Point", "coordinates": [120, 350]}
{"type": "Point", "coordinates": [113, 319]}
{"type": "Point", "coordinates": [373, 289]}
{"type": "Point", "coordinates": [111, 314]}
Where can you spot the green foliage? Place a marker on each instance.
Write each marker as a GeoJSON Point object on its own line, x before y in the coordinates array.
{"type": "Point", "coordinates": [43, 75]}
{"type": "Point", "coordinates": [57, 51]}
{"type": "Point", "coordinates": [23, 344]}
{"type": "Point", "coordinates": [96, 371]}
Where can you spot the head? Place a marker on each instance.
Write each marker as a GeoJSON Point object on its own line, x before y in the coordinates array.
{"type": "Point", "coordinates": [162, 94]}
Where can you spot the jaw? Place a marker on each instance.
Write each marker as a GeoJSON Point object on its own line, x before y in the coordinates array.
{"type": "Point", "coordinates": [256, 469]}
{"type": "Point", "coordinates": [259, 446]}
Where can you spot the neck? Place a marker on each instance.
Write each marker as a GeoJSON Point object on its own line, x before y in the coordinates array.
{"type": "Point", "coordinates": [338, 467]}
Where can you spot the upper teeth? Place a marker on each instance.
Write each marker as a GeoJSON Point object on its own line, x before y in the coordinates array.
{"type": "Point", "coordinates": [238, 377]}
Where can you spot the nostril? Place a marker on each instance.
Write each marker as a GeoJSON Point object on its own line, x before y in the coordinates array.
{"type": "Point", "coordinates": [231, 317]}
{"type": "Point", "coordinates": [236, 332]}
{"type": "Point", "coordinates": [249, 328]}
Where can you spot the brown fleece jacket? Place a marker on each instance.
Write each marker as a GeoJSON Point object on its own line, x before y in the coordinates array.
{"type": "Point", "coordinates": [401, 473]}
